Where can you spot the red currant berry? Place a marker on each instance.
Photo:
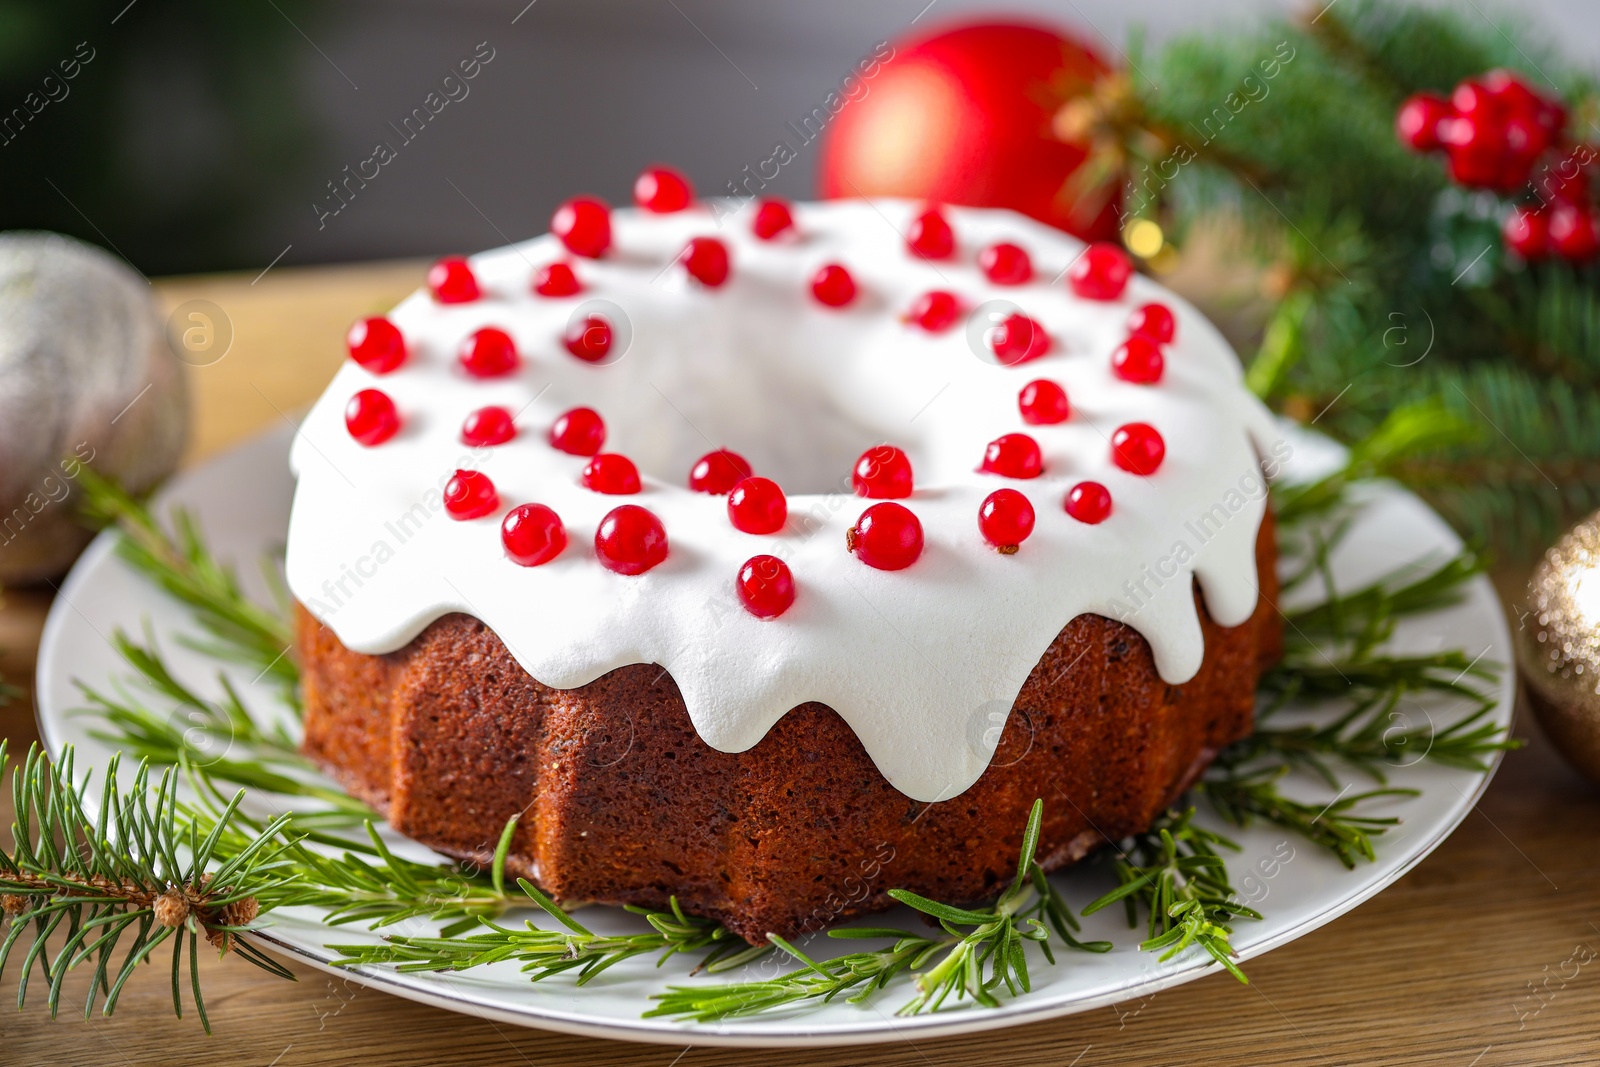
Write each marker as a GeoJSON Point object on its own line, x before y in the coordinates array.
{"type": "Point", "coordinates": [611, 474]}
{"type": "Point", "coordinates": [589, 338]}
{"type": "Point", "coordinates": [1527, 233]}
{"type": "Point", "coordinates": [1573, 235]}
{"type": "Point", "coordinates": [1018, 339]}
{"type": "Point", "coordinates": [452, 282]}
{"type": "Point", "coordinates": [757, 506]}
{"type": "Point", "coordinates": [1477, 147]}
{"type": "Point", "coordinates": [470, 495]}
{"type": "Point", "coordinates": [579, 432]}
{"type": "Point", "coordinates": [718, 472]}
{"type": "Point", "coordinates": [1154, 321]}
{"type": "Point", "coordinates": [773, 219]}
{"type": "Point", "coordinates": [1013, 455]}
{"type": "Point", "coordinates": [556, 279]}
{"type": "Point", "coordinates": [1006, 264]}
{"type": "Point", "coordinates": [935, 311]}
{"type": "Point", "coordinates": [833, 286]}
{"type": "Point", "coordinates": [1101, 273]}
{"type": "Point", "coordinates": [1138, 360]}
{"type": "Point", "coordinates": [706, 260]}
{"type": "Point", "coordinates": [492, 425]}
{"type": "Point", "coordinates": [886, 536]}
{"type": "Point", "coordinates": [584, 225]}
{"type": "Point", "coordinates": [532, 534]}
{"type": "Point", "coordinates": [371, 418]}
{"type": "Point", "coordinates": [662, 190]}
{"type": "Point", "coordinates": [930, 236]}
{"type": "Point", "coordinates": [1005, 519]}
{"type": "Point", "coordinates": [489, 353]}
{"type": "Point", "coordinates": [1043, 403]}
{"type": "Point", "coordinates": [1419, 118]}
{"type": "Point", "coordinates": [766, 586]}
{"type": "Point", "coordinates": [376, 344]}
{"type": "Point", "coordinates": [630, 540]}
{"type": "Point", "coordinates": [1137, 448]}
{"type": "Point", "coordinates": [882, 473]}
{"type": "Point", "coordinates": [1089, 502]}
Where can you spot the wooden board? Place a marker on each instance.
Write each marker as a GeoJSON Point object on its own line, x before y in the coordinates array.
{"type": "Point", "coordinates": [1472, 960]}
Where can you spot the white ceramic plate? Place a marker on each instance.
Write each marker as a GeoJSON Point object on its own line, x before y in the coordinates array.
{"type": "Point", "coordinates": [242, 501]}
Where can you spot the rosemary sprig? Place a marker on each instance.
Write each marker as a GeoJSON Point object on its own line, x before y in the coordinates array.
{"type": "Point", "coordinates": [191, 729]}
{"type": "Point", "coordinates": [237, 629]}
{"type": "Point", "coordinates": [135, 873]}
{"type": "Point", "coordinates": [1175, 873]}
{"type": "Point", "coordinates": [1334, 825]}
{"type": "Point", "coordinates": [979, 951]}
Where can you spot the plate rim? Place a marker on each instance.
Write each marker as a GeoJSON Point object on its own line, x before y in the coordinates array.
{"type": "Point", "coordinates": [768, 1032]}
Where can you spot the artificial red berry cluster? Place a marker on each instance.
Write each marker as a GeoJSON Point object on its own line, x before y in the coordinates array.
{"type": "Point", "coordinates": [1495, 130]}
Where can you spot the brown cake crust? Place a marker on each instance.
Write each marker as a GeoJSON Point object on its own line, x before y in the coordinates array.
{"type": "Point", "coordinates": [622, 803]}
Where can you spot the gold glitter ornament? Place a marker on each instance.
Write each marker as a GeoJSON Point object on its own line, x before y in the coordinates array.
{"type": "Point", "coordinates": [1558, 645]}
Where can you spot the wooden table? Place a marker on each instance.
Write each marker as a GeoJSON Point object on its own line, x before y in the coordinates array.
{"type": "Point", "coordinates": [1463, 963]}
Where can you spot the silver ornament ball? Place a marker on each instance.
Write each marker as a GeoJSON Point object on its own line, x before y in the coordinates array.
{"type": "Point", "coordinates": [86, 376]}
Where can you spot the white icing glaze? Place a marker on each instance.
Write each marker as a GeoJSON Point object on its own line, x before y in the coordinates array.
{"type": "Point", "coordinates": [922, 663]}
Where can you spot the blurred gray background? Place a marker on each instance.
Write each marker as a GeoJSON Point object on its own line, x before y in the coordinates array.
{"type": "Point", "coordinates": [202, 136]}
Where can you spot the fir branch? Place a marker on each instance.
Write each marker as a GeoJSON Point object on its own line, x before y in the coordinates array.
{"type": "Point", "coordinates": [238, 630]}
{"type": "Point", "coordinates": [1175, 873]}
{"type": "Point", "coordinates": [135, 874]}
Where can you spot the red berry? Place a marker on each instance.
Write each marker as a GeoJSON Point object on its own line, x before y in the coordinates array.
{"type": "Point", "coordinates": [773, 219]}
{"type": "Point", "coordinates": [1006, 264]}
{"type": "Point", "coordinates": [492, 425]}
{"type": "Point", "coordinates": [630, 540]}
{"type": "Point", "coordinates": [766, 586]}
{"type": "Point", "coordinates": [662, 190]}
{"type": "Point", "coordinates": [935, 311]}
{"type": "Point", "coordinates": [1138, 360]}
{"type": "Point", "coordinates": [589, 338]}
{"type": "Point", "coordinates": [1101, 272]}
{"type": "Point", "coordinates": [1018, 339]}
{"type": "Point", "coordinates": [556, 279]}
{"type": "Point", "coordinates": [452, 282]}
{"type": "Point", "coordinates": [470, 495]}
{"type": "Point", "coordinates": [882, 473]}
{"type": "Point", "coordinates": [1527, 232]}
{"type": "Point", "coordinates": [371, 418]}
{"type": "Point", "coordinates": [1005, 519]}
{"type": "Point", "coordinates": [1473, 98]}
{"type": "Point", "coordinates": [1419, 118]}
{"type": "Point", "coordinates": [489, 353]}
{"type": "Point", "coordinates": [376, 344]}
{"type": "Point", "coordinates": [1477, 146]}
{"type": "Point", "coordinates": [1043, 403]}
{"type": "Point", "coordinates": [532, 534]}
{"type": "Point", "coordinates": [1013, 455]}
{"type": "Point", "coordinates": [1573, 235]}
{"type": "Point", "coordinates": [718, 472]}
{"type": "Point", "coordinates": [1089, 502]}
{"type": "Point", "coordinates": [930, 235]}
{"type": "Point", "coordinates": [1137, 448]}
{"type": "Point", "coordinates": [757, 506]}
{"type": "Point", "coordinates": [584, 226]}
{"type": "Point", "coordinates": [579, 432]}
{"type": "Point", "coordinates": [706, 260]}
{"type": "Point", "coordinates": [611, 474]}
{"type": "Point", "coordinates": [833, 286]}
{"type": "Point", "coordinates": [1154, 321]}
{"type": "Point", "coordinates": [886, 536]}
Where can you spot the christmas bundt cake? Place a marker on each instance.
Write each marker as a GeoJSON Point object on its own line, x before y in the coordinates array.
{"type": "Point", "coordinates": [772, 556]}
